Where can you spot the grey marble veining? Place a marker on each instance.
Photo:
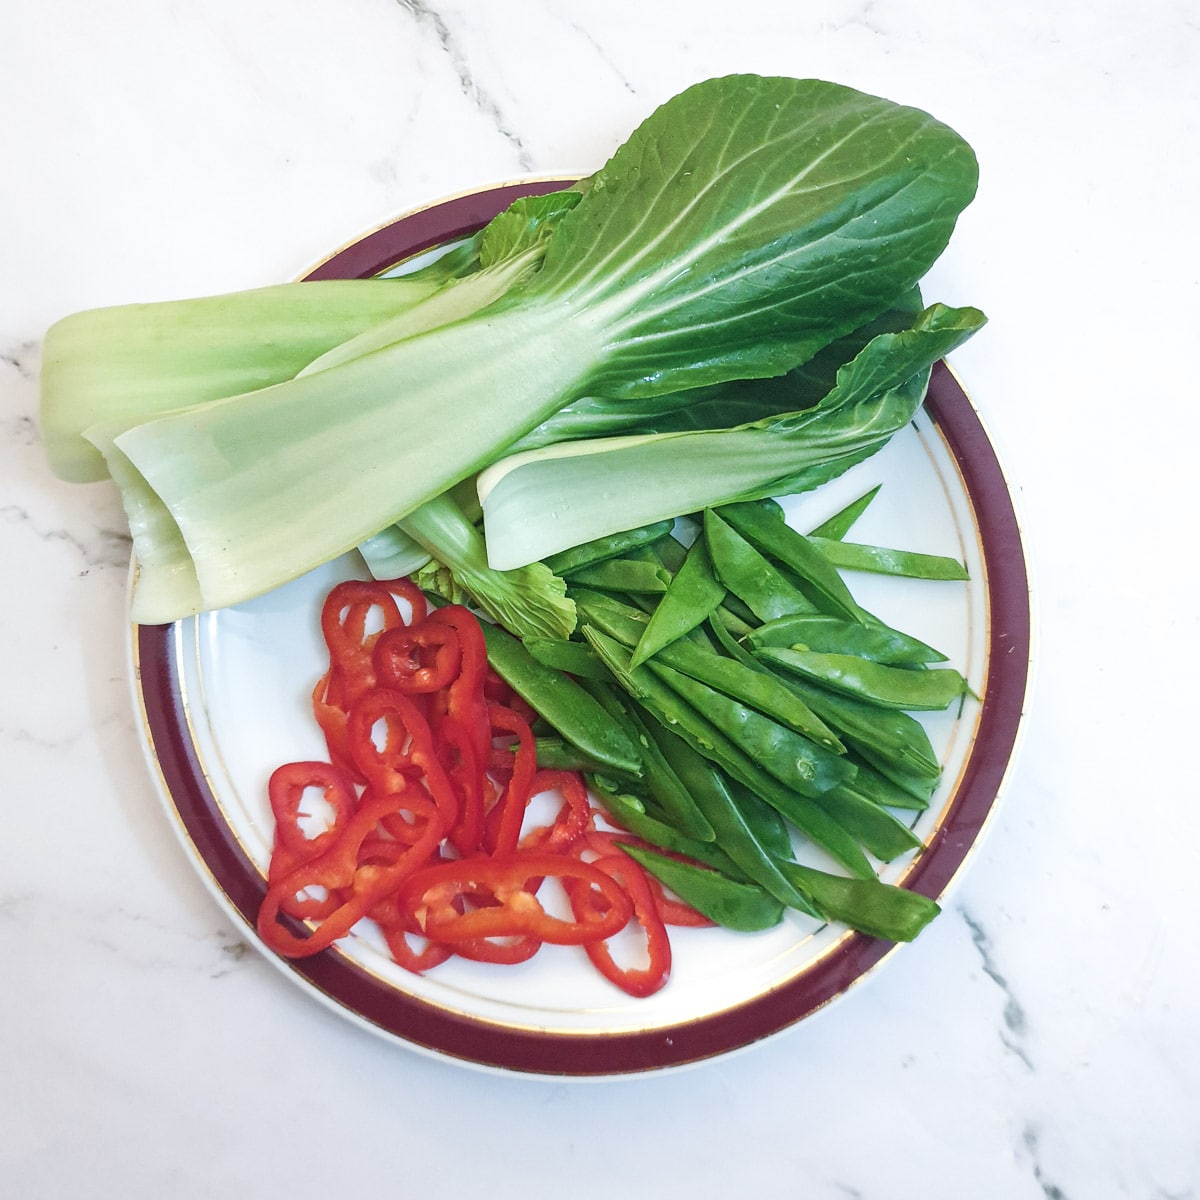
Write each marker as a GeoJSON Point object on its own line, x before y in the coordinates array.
{"type": "Point", "coordinates": [1042, 1038]}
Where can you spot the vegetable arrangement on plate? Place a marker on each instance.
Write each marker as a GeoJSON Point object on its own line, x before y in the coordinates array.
{"type": "Point", "coordinates": [574, 422]}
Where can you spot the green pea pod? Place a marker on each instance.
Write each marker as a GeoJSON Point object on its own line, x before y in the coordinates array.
{"type": "Point", "coordinates": [796, 761]}
{"type": "Point", "coordinates": [561, 702]}
{"type": "Point", "coordinates": [827, 634]}
{"type": "Point", "coordinates": [884, 735]}
{"type": "Point", "coordinates": [883, 560]}
{"type": "Point", "coordinates": [694, 593]}
{"type": "Point", "coordinates": [911, 792]}
{"type": "Point", "coordinates": [759, 690]}
{"type": "Point", "coordinates": [840, 524]}
{"type": "Point", "coordinates": [668, 552]}
{"type": "Point", "coordinates": [890, 687]}
{"type": "Point", "coordinates": [630, 813]}
{"type": "Point", "coordinates": [576, 658]}
{"type": "Point", "coordinates": [872, 907]}
{"type": "Point", "coordinates": [624, 575]}
{"type": "Point", "coordinates": [736, 836]}
{"type": "Point", "coordinates": [766, 823]}
{"type": "Point", "coordinates": [876, 828]}
{"type": "Point", "coordinates": [748, 574]}
{"type": "Point", "coordinates": [767, 531]}
{"type": "Point", "coordinates": [671, 793]}
{"type": "Point", "coordinates": [557, 754]}
{"type": "Point", "coordinates": [585, 555]}
{"type": "Point", "coordinates": [740, 906]}
{"type": "Point", "coordinates": [704, 737]}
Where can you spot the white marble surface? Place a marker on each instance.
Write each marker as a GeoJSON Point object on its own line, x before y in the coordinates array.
{"type": "Point", "coordinates": [1042, 1039]}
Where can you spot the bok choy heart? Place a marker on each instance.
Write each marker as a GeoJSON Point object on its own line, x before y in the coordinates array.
{"type": "Point", "coordinates": [747, 225]}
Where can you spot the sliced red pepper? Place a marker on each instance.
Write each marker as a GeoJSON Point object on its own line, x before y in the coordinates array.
{"type": "Point", "coordinates": [465, 701]}
{"type": "Point", "coordinates": [575, 817]}
{"type": "Point", "coordinates": [434, 896]}
{"type": "Point", "coordinates": [361, 885]}
{"type": "Point", "coordinates": [671, 909]}
{"type": "Point", "coordinates": [407, 751]}
{"type": "Point", "coordinates": [507, 815]}
{"type": "Point", "coordinates": [636, 981]}
{"type": "Point", "coordinates": [417, 659]}
{"type": "Point", "coordinates": [286, 790]}
{"type": "Point", "coordinates": [457, 751]}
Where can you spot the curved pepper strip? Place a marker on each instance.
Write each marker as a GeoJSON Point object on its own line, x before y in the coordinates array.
{"type": "Point", "coordinates": [417, 659]}
{"type": "Point", "coordinates": [505, 819]}
{"type": "Point", "coordinates": [635, 981]}
{"type": "Point", "coordinates": [286, 790]}
{"type": "Point", "coordinates": [344, 617]}
{"type": "Point", "coordinates": [408, 750]}
{"type": "Point", "coordinates": [575, 818]}
{"type": "Point", "coordinates": [433, 895]}
{"type": "Point", "coordinates": [457, 751]}
{"type": "Point", "coordinates": [465, 700]}
{"type": "Point", "coordinates": [671, 909]}
{"type": "Point", "coordinates": [363, 885]}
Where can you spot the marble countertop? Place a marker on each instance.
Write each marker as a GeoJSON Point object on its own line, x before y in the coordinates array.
{"type": "Point", "coordinates": [1042, 1038]}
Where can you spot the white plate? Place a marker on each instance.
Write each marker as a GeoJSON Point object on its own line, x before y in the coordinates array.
{"type": "Point", "coordinates": [225, 698]}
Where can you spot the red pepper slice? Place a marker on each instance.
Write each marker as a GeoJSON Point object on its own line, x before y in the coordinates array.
{"type": "Point", "coordinates": [362, 885]}
{"type": "Point", "coordinates": [575, 818]}
{"type": "Point", "coordinates": [636, 981]}
{"type": "Point", "coordinates": [465, 700]}
{"type": "Point", "coordinates": [407, 751]}
{"type": "Point", "coordinates": [671, 910]}
{"type": "Point", "coordinates": [507, 815]}
{"type": "Point", "coordinates": [417, 659]}
{"type": "Point", "coordinates": [457, 751]}
{"type": "Point", "coordinates": [287, 789]}
{"type": "Point", "coordinates": [434, 895]}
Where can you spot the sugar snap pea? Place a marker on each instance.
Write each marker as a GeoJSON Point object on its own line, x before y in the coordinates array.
{"type": "Point", "coordinates": [884, 734]}
{"type": "Point", "coordinates": [891, 687]}
{"type": "Point", "coordinates": [576, 658]}
{"type": "Point", "coordinates": [842, 522]}
{"type": "Point", "coordinates": [557, 754]}
{"type": "Point", "coordinates": [630, 812]}
{"type": "Point", "coordinates": [769, 533]}
{"type": "Point", "coordinates": [796, 761]}
{"type": "Point", "coordinates": [561, 702]}
{"type": "Point", "coordinates": [672, 794]}
{"type": "Point", "coordinates": [759, 690]}
{"type": "Point", "coordinates": [740, 906]}
{"type": "Point", "coordinates": [710, 741]}
{"type": "Point", "coordinates": [748, 574]}
{"type": "Point", "coordinates": [577, 557]}
{"type": "Point", "coordinates": [913, 792]}
{"type": "Point", "coordinates": [876, 828]}
{"type": "Point", "coordinates": [624, 574]}
{"type": "Point", "coordinates": [693, 594]}
{"type": "Point", "coordinates": [750, 847]}
{"type": "Point", "coordinates": [872, 907]}
{"type": "Point", "coordinates": [882, 560]}
{"type": "Point", "coordinates": [868, 639]}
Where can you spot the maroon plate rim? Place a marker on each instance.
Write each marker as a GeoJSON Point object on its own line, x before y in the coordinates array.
{"type": "Point", "coordinates": [358, 993]}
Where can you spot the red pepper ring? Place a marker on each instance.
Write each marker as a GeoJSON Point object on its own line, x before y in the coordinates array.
{"type": "Point", "coordinates": [407, 749]}
{"type": "Point", "coordinates": [417, 659]}
{"type": "Point", "coordinates": [671, 910]}
{"type": "Point", "coordinates": [362, 885]}
{"type": "Point", "coordinates": [286, 790]}
{"type": "Point", "coordinates": [465, 699]}
{"type": "Point", "coordinates": [574, 820]}
{"type": "Point", "coordinates": [432, 895]}
{"type": "Point", "coordinates": [635, 981]}
{"type": "Point", "coordinates": [344, 621]}
{"type": "Point", "coordinates": [507, 815]}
